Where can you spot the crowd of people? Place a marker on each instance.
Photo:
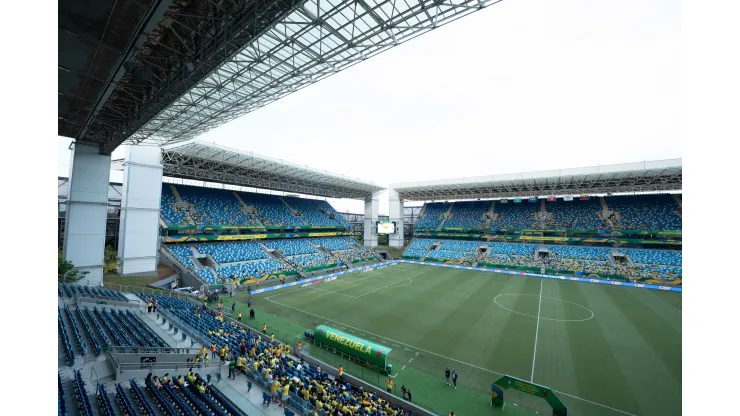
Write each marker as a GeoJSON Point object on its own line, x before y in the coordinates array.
{"type": "Point", "coordinates": [275, 367]}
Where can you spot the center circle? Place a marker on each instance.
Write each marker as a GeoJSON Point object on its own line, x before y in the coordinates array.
{"type": "Point", "coordinates": [579, 306]}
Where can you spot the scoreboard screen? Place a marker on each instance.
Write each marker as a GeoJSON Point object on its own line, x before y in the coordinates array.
{"type": "Point", "coordinates": [386, 227]}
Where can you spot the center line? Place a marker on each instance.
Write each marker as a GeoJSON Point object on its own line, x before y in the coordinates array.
{"type": "Point", "coordinates": [536, 333]}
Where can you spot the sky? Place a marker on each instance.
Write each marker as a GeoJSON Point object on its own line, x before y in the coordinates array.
{"type": "Point", "coordinates": [521, 86]}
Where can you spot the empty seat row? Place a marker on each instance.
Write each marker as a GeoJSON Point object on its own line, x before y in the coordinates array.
{"type": "Point", "coordinates": [630, 212]}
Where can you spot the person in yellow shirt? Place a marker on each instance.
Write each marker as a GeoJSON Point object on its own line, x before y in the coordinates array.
{"type": "Point", "coordinates": [287, 350]}
{"type": "Point", "coordinates": [284, 396]}
{"type": "Point", "coordinates": [272, 337]}
{"type": "Point", "coordinates": [274, 390]}
{"type": "Point", "coordinates": [201, 388]}
{"type": "Point", "coordinates": [202, 350]}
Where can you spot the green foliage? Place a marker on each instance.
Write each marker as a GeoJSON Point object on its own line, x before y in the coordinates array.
{"type": "Point", "coordinates": [111, 260]}
{"type": "Point", "coordinates": [67, 272]}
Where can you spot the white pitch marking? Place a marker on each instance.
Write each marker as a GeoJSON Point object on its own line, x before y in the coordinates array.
{"type": "Point", "coordinates": [495, 300]}
{"type": "Point", "coordinates": [537, 332]}
{"type": "Point", "coordinates": [438, 355]}
{"type": "Point", "coordinates": [331, 291]}
{"type": "Point", "coordinates": [597, 404]}
{"type": "Point", "coordinates": [404, 367]}
{"type": "Point", "coordinates": [375, 274]}
{"type": "Point", "coordinates": [383, 287]}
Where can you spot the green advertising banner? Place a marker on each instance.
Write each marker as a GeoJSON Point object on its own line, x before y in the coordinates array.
{"type": "Point", "coordinates": [359, 348]}
{"type": "Point", "coordinates": [509, 382]}
{"type": "Point", "coordinates": [596, 240]}
{"type": "Point", "coordinates": [242, 237]}
{"type": "Point", "coordinates": [217, 227]}
{"type": "Point", "coordinates": [674, 234]}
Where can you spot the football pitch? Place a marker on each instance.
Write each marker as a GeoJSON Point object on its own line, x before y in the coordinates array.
{"type": "Point", "coordinates": [604, 350]}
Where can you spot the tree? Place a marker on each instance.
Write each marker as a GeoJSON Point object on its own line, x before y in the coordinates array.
{"type": "Point", "coordinates": [67, 271]}
{"type": "Point", "coordinates": [111, 260]}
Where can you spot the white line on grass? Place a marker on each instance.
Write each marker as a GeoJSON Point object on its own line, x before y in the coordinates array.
{"type": "Point", "coordinates": [383, 287]}
{"type": "Point", "coordinates": [375, 273]}
{"type": "Point", "coordinates": [597, 404]}
{"type": "Point", "coordinates": [434, 353]}
{"type": "Point", "coordinates": [331, 291]}
{"type": "Point", "coordinates": [536, 332]}
{"type": "Point", "coordinates": [384, 273]}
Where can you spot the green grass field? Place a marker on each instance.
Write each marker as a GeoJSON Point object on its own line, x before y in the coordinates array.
{"type": "Point", "coordinates": [605, 350]}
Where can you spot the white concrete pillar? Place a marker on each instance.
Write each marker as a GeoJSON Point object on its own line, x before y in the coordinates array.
{"type": "Point", "coordinates": [395, 212]}
{"type": "Point", "coordinates": [138, 239]}
{"type": "Point", "coordinates": [371, 217]}
{"type": "Point", "coordinates": [87, 211]}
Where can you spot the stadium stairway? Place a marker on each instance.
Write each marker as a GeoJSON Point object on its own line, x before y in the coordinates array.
{"type": "Point", "coordinates": [236, 392]}
{"type": "Point", "coordinates": [293, 210]}
{"type": "Point", "coordinates": [168, 335]}
{"type": "Point", "coordinates": [604, 207]}
{"type": "Point", "coordinates": [176, 194]}
{"type": "Point", "coordinates": [179, 199]}
{"type": "Point", "coordinates": [677, 198]}
{"type": "Point", "coordinates": [447, 214]}
{"type": "Point", "coordinates": [322, 250]}
{"type": "Point", "coordinates": [247, 209]}
{"type": "Point", "coordinates": [96, 371]}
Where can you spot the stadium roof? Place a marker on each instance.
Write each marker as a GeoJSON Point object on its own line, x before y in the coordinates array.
{"type": "Point", "coordinates": [212, 163]}
{"type": "Point", "coordinates": [96, 38]}
{"type": "Point", "coordinates": [198, 64]}
{"type": "Point", "coordinates": [654, 176]}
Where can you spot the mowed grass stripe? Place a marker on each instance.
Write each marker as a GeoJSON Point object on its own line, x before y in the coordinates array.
{"type": "Point", "coordinates": [657, 347]}
{"type": "Point", "coordinates": [632, 363]}
{"type": "Point", "coordinates": [554, 361]}
{"type": "Point", "coordinates": [573, 357]}
{"type": "Point", "coordinates": [449, 314]}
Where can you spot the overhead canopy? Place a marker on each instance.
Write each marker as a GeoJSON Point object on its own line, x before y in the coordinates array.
{"type": "Point", "coordinates": [212, 163]}
{"type": "Point", "coordinates": [165, 71]}
{"type": "Point", "coordinates": [653, 176]}
{"type": "Point", "coordinates": [96, 38]}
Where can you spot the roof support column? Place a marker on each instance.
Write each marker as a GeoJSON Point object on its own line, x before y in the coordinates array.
{"type": "Point", "coordinates": [395, 213]}
{"type": "Point", "coordinates": [138, 239]}
{"type": "Point", "coordinates": [371, 218]}
{"type": "Point", "coordinates": [87, 211]}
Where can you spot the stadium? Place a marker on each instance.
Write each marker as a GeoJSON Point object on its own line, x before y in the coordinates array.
{"type": "Point", "coordinates": [220, 281]}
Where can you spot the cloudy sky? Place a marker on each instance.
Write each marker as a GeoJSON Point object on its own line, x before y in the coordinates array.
{"type": "Point", "coordinates": [521, 86]}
